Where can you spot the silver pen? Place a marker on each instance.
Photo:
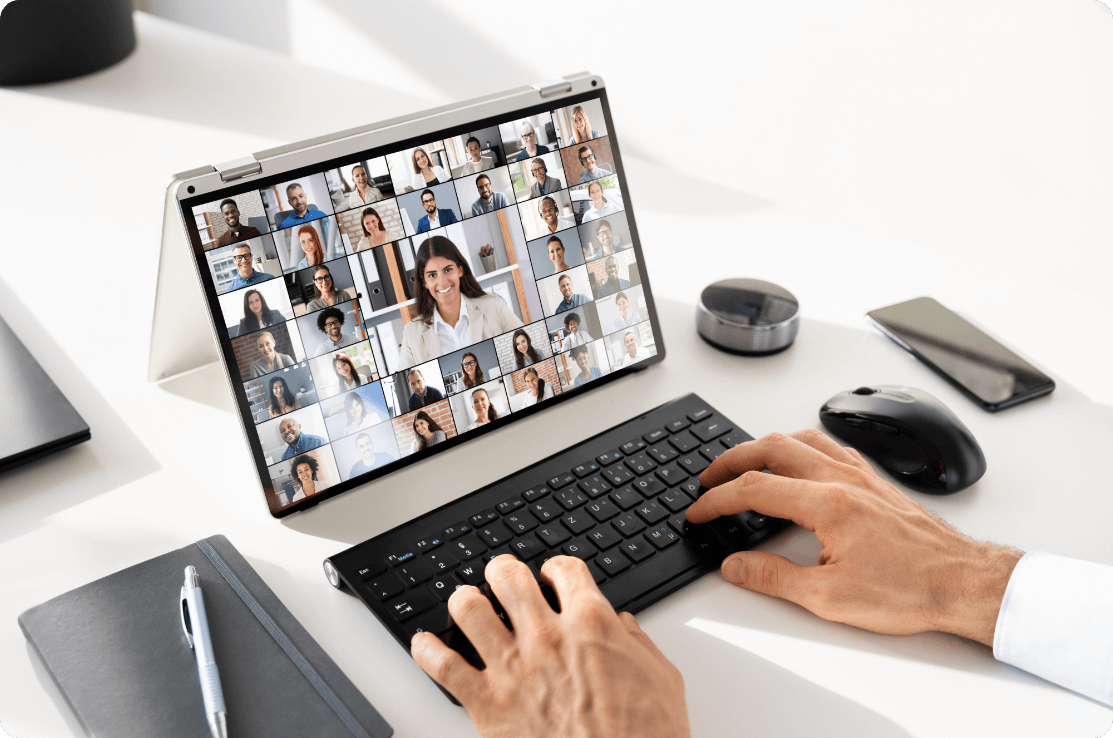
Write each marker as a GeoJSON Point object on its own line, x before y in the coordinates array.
{"type": "Point", "coordinates": [195, 623]}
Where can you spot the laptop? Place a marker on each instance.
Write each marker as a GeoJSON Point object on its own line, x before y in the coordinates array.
{"type": "Point", "coordinates": [382, 295]}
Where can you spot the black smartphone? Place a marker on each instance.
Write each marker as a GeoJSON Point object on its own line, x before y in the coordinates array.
{"type": "Point", "coordinates": [987, 372]}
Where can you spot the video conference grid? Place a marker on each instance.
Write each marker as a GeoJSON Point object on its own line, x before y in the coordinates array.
{"type": "Point", "coordinates": [332, 393]}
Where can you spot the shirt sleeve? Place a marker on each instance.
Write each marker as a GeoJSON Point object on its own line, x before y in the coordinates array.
{"type": "Point", "coordinates": [1055, 623]}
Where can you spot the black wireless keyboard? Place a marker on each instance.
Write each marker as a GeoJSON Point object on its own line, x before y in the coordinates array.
{"type": "Point", "coordinates": [616, 500]}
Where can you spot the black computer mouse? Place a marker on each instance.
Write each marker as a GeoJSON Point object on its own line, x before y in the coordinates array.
{"type": "Point", "coordinates": [912, 435]}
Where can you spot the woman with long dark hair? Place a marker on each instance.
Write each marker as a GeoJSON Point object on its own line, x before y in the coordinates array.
{"type": "Point", "coordinates": [426, 173]}
{"type": "Point", "coordinates": [427, 431]}
{"type": "Point", "coordinates": [325, 293]}
{"type": "Point", "coordinates": [524, 352]}
{"type": "Point", "coordinates": [472, 373]}
{"type": "Point", "coordinates": [374, 232]}
{"type": "Point", "coordinates": [346, 372]}
{"type": "Point", "coordinates": [358, 414]}
{"type": "Point", "coordinates": [256, 314]}
{"type": "Point", "coordinates": [280, 400]}
{"type": "Point", "coordinates": [538, 390]}
{"type": "Point", "coordinates": [453, 311]}
{"type": "Point", "coordinates": [485, 412]}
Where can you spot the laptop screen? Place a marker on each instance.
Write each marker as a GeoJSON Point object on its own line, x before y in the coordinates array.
{"type": "Point", "coordinates": [378, 309]}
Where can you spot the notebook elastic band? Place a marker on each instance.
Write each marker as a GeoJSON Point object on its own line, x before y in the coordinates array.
{"type": "Point", "coordinates": [284, 642]}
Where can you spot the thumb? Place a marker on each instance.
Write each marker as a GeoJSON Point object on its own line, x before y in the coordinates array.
{"type": "Point", "coordinates": [770, 574]}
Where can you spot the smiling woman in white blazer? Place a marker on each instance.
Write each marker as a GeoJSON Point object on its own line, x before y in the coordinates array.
{"type": "Point", "coordinates": [453, 310]}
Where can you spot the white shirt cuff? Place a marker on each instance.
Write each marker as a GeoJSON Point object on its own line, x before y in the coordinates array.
{"type": "Point", "coordinates": [1056, 622]}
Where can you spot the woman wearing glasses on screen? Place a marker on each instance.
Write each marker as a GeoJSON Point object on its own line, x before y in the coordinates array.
{"type": "Point", "coordinates": [600, 205]}
{"type": "Point", "coordinates": [346, 372]}
{"type": "Point", "coordinates": [538, 390]}
{"type": "Point", "coordinates": [256, 314]}
{"type": "Point", "coordinates": [311, 245]}
{"type": "Point", "coordinates": [325, 293]}
{"type": "Point", "coordinates": [453, 311]}
{"type": "Point", "coordinates": [581, 127]}
{"type": "Point", "coordinates": [374, 232]}
{"type": "Point", "coordinates": [280, 400]}
{"type": "Point", "coordinates": [358, 415]}
{"type": "Point", "coordinates": [427, 431]}
{"type": "Point", "coordinates": [627, 317]}
{"type": "Point", "coordinates": [485, 412]}
{"type": "Point", "coordinates": [472, 373]}
{"type": "Point", "coordinates": [427, 174]}
{"type": "Point", "coordinates": [524, 352]}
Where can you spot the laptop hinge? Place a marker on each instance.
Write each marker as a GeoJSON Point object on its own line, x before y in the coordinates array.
{"type": "Point", "coordinates": [557, 88]}
{"type": "Point", "coordinates": [238, 168]}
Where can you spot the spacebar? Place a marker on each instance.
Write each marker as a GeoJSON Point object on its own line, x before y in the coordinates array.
{"type": "Point", "coordinates": [641, 579]}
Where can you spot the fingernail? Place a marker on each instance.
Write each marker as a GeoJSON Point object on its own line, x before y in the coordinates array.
{"type": "Point", "coordinates": [734, 570]}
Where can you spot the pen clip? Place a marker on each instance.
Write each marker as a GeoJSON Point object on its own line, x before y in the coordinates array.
{"type": "Point", "coordinates": [184, 612]}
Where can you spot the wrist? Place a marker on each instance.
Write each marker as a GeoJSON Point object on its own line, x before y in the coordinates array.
{"type": "Point", "coordinates": [977, 579]}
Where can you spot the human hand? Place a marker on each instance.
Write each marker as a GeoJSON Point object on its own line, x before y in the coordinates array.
{"type": "Point", "coordinates": [887, 564]}
{"type": "Point", "coordinates": [586, 671]}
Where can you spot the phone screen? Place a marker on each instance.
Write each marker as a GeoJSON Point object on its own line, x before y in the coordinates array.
{"type": "Point", "coordinates": [990, 373]}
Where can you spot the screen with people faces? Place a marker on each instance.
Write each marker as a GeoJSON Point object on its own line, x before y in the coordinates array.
{"type": "Point", "coordinates": [391, 303]}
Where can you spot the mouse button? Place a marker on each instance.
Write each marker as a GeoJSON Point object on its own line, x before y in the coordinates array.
{"type": "Point", "coordinates": [856, 422]}
{"type": "Point", "coordinates": [884, 429]}
{"type": "Point", "coordinates": [864, 391]}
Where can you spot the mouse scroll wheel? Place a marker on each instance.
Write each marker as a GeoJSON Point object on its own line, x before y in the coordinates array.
{"type": "Point", "coordinates": [864, 391]}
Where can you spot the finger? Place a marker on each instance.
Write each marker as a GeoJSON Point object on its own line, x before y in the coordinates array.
{"type": "Point", "coordinates": [633, 628]}
{"type": "Point", "coordinates": [476, 617]}
{"type": "Point", "coordinates": [447, 667]}
{"type": "Point", "coordinates": [780, 454]}
{"type": "Point", "coordinates": [796, 499]}
{"type": "Point", "coordinates": [517, 591]}
{"type": "Point", "coordinates": [574, 586]}
{"type": "Point", "coordinates": [775, 576]}
{"type": "Point", "coordinates": [863, 463]}
{"type": "Point", "coordinates": [823, 443]}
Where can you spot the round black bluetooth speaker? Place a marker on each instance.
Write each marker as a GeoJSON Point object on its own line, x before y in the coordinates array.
{"type": "Point", "coordinates": [748, 316]}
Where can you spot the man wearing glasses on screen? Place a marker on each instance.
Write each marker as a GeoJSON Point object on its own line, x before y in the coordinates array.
{"type": "Point", "coordinates": [591, 170]}
{"type": "Point", "coordinates": [246, 274]}
{"type": "Point", "coordinates": [488, 199]}
{"type": "Point", "coordinates": [330, 321]}
{"type": "Point", "coordinates": [544, 184]}
{"type": "Point", "coordinates": [550, 215]}
{"type": "Point", "coordinates": [570, 300]}
{"type": "Point", "coordinates": [433, 218]}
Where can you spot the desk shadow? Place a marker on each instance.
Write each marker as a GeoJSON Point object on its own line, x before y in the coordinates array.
{"type": "Point", "coordinates": [644, 176]}
{"type": "Point", "coordinates": [207, 385]}
{"type": "Point", "coordinates": [56, 696]}
{"type": "Point", "coordinates": [32, 493]}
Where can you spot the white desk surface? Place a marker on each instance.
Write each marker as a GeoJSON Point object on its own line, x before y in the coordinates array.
{"type": "Point", "coordinates": [820, 206]}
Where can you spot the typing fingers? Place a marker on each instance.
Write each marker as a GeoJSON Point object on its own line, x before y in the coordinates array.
{"type": "Point", "coordinates": [476, 617]}
{"type": "Point", "coordinates": [517, 592]}
{"type": "Point", "coordinates": [447, 667]}
{"type": "Point", "coordinates": [576, 589]}
{"type": "Point", "coordinates": [782, 497]}
{"type": "Point", "coordinates": [823, 443]}
{"type": "Point", "coordinates": [783, 455]}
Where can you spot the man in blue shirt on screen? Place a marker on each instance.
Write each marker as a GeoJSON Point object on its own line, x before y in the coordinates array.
{"type": "Point", "coordinates": [613, 283]}
{"type": "Point", "coordinates": [488, 198]}
{"type": "Point", "coordinates": [246, 274]}
{"type": "Point", "coordinates": [299, 201]}
{"type": "Point", "coordinates": [368, 458]}
{"type": "Point", "coordinates": [296, 441]}
{"type": "Point", "coordinates": [434, 217]}
{"type": "Point", "coordinates": [590, 169]}
{"type": "Point", "coordinates": [570, 300]}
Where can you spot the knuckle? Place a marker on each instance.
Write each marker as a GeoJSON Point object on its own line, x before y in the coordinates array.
{"type": "Point", "coordinates": [776, 438]}
{"type": "Point", "coordinates": [811, 434]}
{"type": "Point", "coordinates": [750, 479]}
{"type": "Point", "coordinates": [770, 577]}
{"type": "Point", "coordinates": [547, 634]}
{"type": "Point", "coordinates": [564, 565]}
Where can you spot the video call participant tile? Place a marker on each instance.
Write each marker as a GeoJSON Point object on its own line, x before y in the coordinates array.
{"type": "Point", "coordinates": [231, 220]}
{"type": "Point", "coordinates": [613, 274]}
{"type": "Point", "coordinates": [574, 327]}
{"type": "Point", "coordinates": [533, 385]}
{"type": "Point", "coordinates": [583, 364]}
{"type": "Point", "coordinates": [424, 428]}
{"type": "Point", "coordinates": [366, 450]}
{"type": "Point", "coordinates": [526, 138]}
{"type": "Point", "coordinates": [318, 287]}
{"type": "Point", "coordinates": [268, 350]}
{"type": "Point", "coordinates": [555, 253]}
{"type": "Point", "coordinates": [475, 408]}
{"type": "Point", "coordinates": [429, 208]}
{"type": "Point", "coordinates": [371, 226]}
{"type": "Point", "coordinates": [622, 310]}
{"type": "Point", "coordinates": [414, 388]}
{"type": "Point", "coordinates": [296, 202]}
{"type": "Point", "coordinates": [333, 328]}
{"type": "Point", "coordinates": [485, 192]}
{"type": "Point", "coordinates": [346, 369]}
{"type": "Point", "coordinates": [599, 198]}
{"type": "Point", "coordinates": [360, 183]}
{"type": "Point", "coordinates": [588, 161]}
{"type": "Point", "coordinates": [542, 175]}
{"type": "Point", "coordinates": [309, 244]}
{"type": "Point", "coordinates": [355, 410]}
{"type": "Point", "coordinates": [470, 367]}
{"type": "Point", "coordinates": [295, 433]}
{"type": "Point", "coordinates": [281, 392]}
{"type": "Point", "coordinates": [631, 345]}
{"type": "Point", "coordinates": [304, 475]}
{"type": "Point", "coordinates": [475, 151]}
{"type": "Point", "coordinates": [522, 347]}
{"type": "Point", "coordinates": [605, 236]}
{"type": "Point", "coordinates": [244, 264]}
{"type": "Point", "coordinates": [547, 215]}
{"type": "Point", "coordinates": [416, 168]}
{"type": "Point", "coordinates": [254, 308]}
{"type": "Point", "coordinates": [565, 291]}
{"type": "Point", "coordinates": [579, 123]}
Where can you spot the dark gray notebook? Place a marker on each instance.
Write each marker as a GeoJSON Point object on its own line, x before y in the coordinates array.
{"type": "Point", "coordinates": [116, 650]}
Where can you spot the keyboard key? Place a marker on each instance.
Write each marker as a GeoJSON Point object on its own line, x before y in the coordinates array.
{"type": "Point", "coordinates": [428, 544]}
{"type": "Point", "coordinates": [734, 529]}
{"type": "Point", "coordinates": [626, 497]}
{"type": "Point", "coordinates": [526, 548]}
{"type": "Point", "coordinates": [662, 453]}
{"type": "Point", "coordinates": [443, 587]}
{"type": "Point", "coordinates": [562, 480]}
{"type": "Point", "coordinates": [552, 535]}
{"type": "Point", "coordinates": [757, 522]}
{"type": "Point", "coordinates": [536, 493]}
{"type": "Point", "coordinates": [671, 474]}
{"type": "Point", "coordinates": [467, 547]}
{"type": "Point", "coordinates": [640, 464]}
{"type": "Point", "coordinates": [596, 572]}
{"type": "Point", "coordinates": [604, 537]}
{"type": "Point", "coordinates": [662, 537]}
{"type": "Point", "coordinates": [692, 488]}
{"type": "Point", "coordinates": [546, 510]}
{"type": "Point", "coordinates": [617, 474]}
{"type": "Point", "coordinates": [570, 498]}
{"type": "Point", "coordinates": [385, 587]}
{"type": "Point", "coordinates": [453, 532]}
{"type": "Point", "coordinates": [436, 621]}
{"type": "Point", "coordinates": [608, 458]}
{"type": "Point", "coordinates": [602, 510]}
{"type": "Point", "coordinates": [649, 486]}
{"type": "Point", "coordinates": [594, 486]}
{"type": "Point", "coordinates": [661, 568]}
{"type": "Point", "coordinates": [697, 415]}
{"type": "Point", "coordinates": [581, 548]}
{"type": "Point", "coordinates": [508, 506]}
{"type": "Point", "coordinates": [577, 522]}
{"type": "Point", "coordinates": [655, 435]}
{"type": "Point", "coordinates": [709, 430]}
{"type": "Point", "coordinates": [411, 604]}
{"type": "Point", "coordinates": [586, 469]}
{"type": "Point", "coordinates": [693, 464]}
{"type": "Point", "coordinates": [441, 561]}
{"type": "Point", "coordinates": [471, 573]}
{"type": "Point", "coordinates": [612, 562]}
{"type": "Point", "coordinates": [628, 524]}
{"type": "Point", "coordinates": [675, 500]}
{"type": "Point", "coordinates": [373, 569]}
{"type": "Point", "coordinates": [684, 442]}
{"type": "Point", "coordinates": [483, 517]}
{"type": "Point", "coordinates": [731, 440]}
{"type": "Point", "coordinates": [676, 426]}
{"type": "Point", "coordinates": [651, 512]}
{"type": "Point", "coordinates": [415, 572]}
{"type": "Point", "coordinates": [633, 447]}
{"type": "Point", "coordinates": [400, 558]}
{"type": "Point", "coordinates": [712, 451]}
{"type": "Point", "coordinates": [494, 535]}
{"type": "Point", "coordinates": [520, 522]}
{"type": "Point", "coordinates": [679, 523]}
{"type": "Point", "coordinates": [636, 549]}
